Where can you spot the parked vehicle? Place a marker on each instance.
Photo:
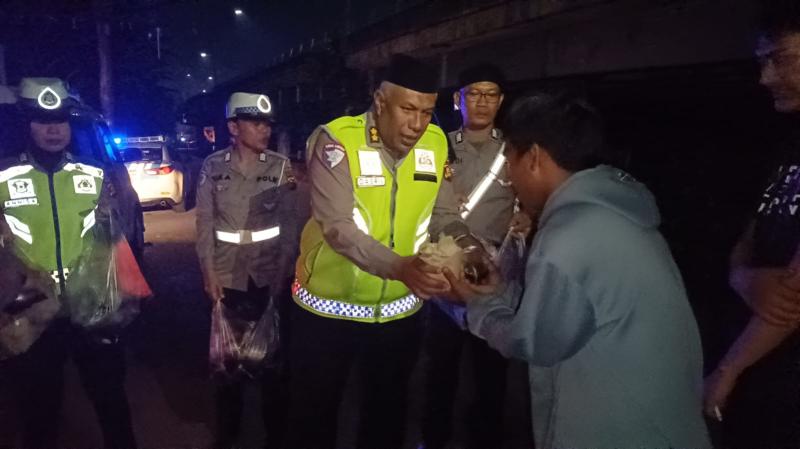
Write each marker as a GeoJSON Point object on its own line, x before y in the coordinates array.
{"type": "Point", "coordinates": [160, 176]}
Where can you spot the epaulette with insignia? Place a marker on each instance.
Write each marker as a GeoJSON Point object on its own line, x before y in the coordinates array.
{"type": "Point", "coordinates": [373, 135]}
{"type": "Point", "coordinates": [448, 171]}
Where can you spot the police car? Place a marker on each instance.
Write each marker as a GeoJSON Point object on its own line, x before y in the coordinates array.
{"type": "Point", "coordinates": [159, 178]}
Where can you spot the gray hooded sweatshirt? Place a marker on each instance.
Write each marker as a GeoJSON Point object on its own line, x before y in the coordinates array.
{"type": "Point", "coordinates": [603, 322]}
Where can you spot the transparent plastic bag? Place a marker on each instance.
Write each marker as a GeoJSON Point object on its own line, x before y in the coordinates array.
{"type": "Point", "coordinates": [223, 347]}
{"type": "Point", "coordinates": [104, 289]}
{"type": "Point", "coordinates": [260, 345]}
{"type": "Point", "coordinates": [510, 257]}
{"type": "Point", "coordinates": [242, 347]}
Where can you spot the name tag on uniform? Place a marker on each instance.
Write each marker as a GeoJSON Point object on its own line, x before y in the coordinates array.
{"type": "Point", "coordinates": [21, 202]}
{"type": "Point", "coordinates": [371, 181]}
{"type": "Point", "coordinates": [369, 162]}
{"type": "Point", "coordinates": [424, 165]}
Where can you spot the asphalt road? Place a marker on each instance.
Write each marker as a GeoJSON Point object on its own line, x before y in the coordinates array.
{"type": "Point", "coordinates": [170, 393]}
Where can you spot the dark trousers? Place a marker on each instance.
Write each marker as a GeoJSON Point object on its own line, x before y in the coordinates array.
{"type": "Point", "coordinates": [38, 379]}
{"type": "Point", "coordinates": [764, 408]}
{"type": "Point", "coordinates": [444, 343]}
{"type": "Point", "coordinates": [321, 356]}
{"type": "Point", "coordinates": [229, 396]}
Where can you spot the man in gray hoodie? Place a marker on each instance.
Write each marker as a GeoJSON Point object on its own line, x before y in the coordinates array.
{"type": "Point", "coordinates": [602, 319]}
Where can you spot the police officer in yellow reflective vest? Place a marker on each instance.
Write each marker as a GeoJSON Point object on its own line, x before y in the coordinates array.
{"type": "Point", "coordinates": [374, 180]}
{"type": "Point", "coordinates": [246, 243]}
{"type": "Point", "coordinates": [51, 201]}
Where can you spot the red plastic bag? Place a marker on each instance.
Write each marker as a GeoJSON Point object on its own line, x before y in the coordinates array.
{"type": "Point", "coordinates": [106, 287]}
{"type": "Point", "coordinates": [131, 281]}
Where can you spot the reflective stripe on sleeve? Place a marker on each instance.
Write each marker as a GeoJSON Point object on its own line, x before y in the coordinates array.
{"type": "Point", "coordinates": [19, 229]}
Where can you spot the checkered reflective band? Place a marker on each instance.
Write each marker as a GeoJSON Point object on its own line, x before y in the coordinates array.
{"type": "Point", "coordinates": [342, 309]}
{"type": "Point", "coordinates": [249, 110]}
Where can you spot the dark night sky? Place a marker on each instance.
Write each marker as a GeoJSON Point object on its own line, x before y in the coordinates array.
{"type": "Point", "coordinates": [240, 44]}
{"type": "Point", "coordinates": [58, 38]}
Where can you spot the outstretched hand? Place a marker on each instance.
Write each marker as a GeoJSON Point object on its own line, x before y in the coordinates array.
{"type": "Point", "coordinates": [461, 290]}
{"type": "Point", "coordinates": [424, 280]}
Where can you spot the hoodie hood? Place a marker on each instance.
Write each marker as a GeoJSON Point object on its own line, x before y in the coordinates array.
{"type": "Point", "coordinates": [607, 187]}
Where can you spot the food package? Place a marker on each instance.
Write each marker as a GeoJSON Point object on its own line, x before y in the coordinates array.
{"type": "Point", "coordinates": [444, 253]}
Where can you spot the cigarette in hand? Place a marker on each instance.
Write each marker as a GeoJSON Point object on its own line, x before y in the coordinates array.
{"type": "Point", "coordinates": [717, 413]}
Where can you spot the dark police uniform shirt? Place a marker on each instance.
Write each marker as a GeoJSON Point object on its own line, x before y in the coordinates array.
{"type": "Point", "coordinates": [228, 200]}
{"type": "Point", "coordinates": [470, 162]}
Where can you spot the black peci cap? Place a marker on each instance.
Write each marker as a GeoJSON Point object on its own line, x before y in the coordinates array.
{"type": "Point", "coordinates": [480, 73]}
{"type": "Point", "coordinates": [413, 74]}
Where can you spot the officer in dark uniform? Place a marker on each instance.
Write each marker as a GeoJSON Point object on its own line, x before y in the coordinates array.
{"type": "Point", "coordinates": [246, 242]}
{"type": "Point", "coordinates": [487, 201]}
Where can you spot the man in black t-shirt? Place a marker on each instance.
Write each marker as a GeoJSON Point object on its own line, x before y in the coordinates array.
{"type": "Point", "coordinates": [764, 410]}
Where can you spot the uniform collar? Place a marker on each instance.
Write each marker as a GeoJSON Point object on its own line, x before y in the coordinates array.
{"type": "Point", "coordinates": [27, 157]}
{"type": "Point", "coordinates": [496, 134]}
{"type": "Point", "coordinates": [262, 157]}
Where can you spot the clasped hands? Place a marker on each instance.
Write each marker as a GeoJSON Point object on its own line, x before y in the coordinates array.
{"type": "Point", "coordinates": [427, 281]}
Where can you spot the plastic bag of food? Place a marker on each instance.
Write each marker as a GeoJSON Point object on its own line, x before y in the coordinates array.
{"type": "Point", "coordinates": [243, 344]}
{"type": "Point", "coordinates": [223, 353]}
{"type": "Point", "coordinates": [104, 289]}
{"type": "Point", "coordinates": [444, 253]}
{"type": "Point", "coordinates": [260, 345]}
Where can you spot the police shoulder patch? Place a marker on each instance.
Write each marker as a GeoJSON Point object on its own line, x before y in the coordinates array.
{"type": "Point", "coordinates": [334, 154]}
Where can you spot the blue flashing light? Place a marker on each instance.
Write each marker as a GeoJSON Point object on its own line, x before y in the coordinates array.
{"type": "Point", "coordinates": [117, 140]}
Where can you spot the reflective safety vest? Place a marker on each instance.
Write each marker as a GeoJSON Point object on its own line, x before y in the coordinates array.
{"type": "Point", "coordinates": [50, 215]}
{"type": "Point", "coordinates": [394, 208]}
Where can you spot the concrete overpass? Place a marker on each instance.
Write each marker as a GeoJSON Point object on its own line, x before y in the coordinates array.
{"type": "Point", "coordinates": [539, 39]}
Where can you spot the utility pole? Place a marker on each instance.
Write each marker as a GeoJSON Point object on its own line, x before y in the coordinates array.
{"type": "Point", "coordinates": [102, 13]}
{"type": "Point", "coordinates": [3, 80]}
{"type": "Point", "coordinates": [158, 42]}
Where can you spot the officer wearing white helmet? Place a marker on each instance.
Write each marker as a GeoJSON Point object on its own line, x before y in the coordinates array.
{"type": "Point", "coordinates": [53, 202]}
{"type": "Point", "coordinates": [246, 240]}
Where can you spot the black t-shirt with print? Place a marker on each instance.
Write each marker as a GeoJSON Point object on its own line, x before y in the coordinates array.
{"type": "Point", "coordinates": [777, 231]}
{"type": "Point", "coordinates": [764, 409]}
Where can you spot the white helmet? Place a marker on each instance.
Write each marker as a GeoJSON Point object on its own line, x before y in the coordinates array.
{"type": "Point", "coordinates": [249, 106]}
{"type": "Point", "coordinates": [45, 97]}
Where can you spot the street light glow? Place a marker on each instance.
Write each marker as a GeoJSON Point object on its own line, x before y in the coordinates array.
{"type": "Point", "coordinates": [204, 91]}
{"type": "Point", "coordinates": [203, 54]}
{"type": "Point", "coordinates": [211, 78]}
{"type": "Point", "coordinates": [238, 12]}
{"type": "Point", "coordinates": [188, 75]}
